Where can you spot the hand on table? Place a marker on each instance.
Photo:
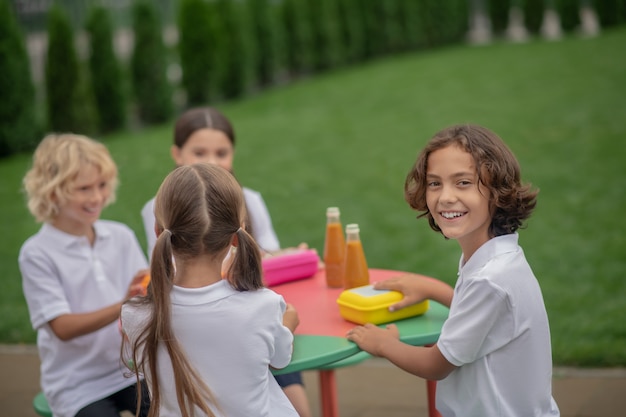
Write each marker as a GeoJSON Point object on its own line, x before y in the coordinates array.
{"type": "Point", "coordinates": [290, 318]}
{"type": "Point", "coordinates": [416, 288]}
{"type": "Point", "coordinates": [372, 339]}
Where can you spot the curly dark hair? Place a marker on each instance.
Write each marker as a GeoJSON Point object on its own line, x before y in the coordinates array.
{"type": "Point", "coordinates": [511, 202]}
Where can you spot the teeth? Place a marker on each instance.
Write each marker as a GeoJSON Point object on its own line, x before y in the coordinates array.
{"type": "Point", "coordinates": [451, 214]}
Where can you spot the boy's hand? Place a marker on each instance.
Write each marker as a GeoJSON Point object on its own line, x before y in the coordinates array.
{"type": "Point", "coordinates": [413, 287]}
{"type": "Point", "coordinates": [137, 287]}
{"type": "Point", "coordinates": [417, 288]}
{"type": "Point", "coordinates": [290, 318]}
{"type": "Point", "coordinates": [372, 339]}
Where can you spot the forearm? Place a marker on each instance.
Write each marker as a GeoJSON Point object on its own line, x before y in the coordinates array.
{"type": "Point", "coordinates": [440, 292]}
{"type": "Point", "coordinates": [69, 326]}
{"type": "Point", "coordinates": [424, 362]}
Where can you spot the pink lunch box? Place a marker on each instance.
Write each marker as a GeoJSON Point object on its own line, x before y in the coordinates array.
{"type": "Point", "coordinates": [290, 265]}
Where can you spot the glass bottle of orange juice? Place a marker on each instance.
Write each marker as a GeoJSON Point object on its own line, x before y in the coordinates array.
{"type": "Point", "coordinates": [356, 273]}
{"type": "Point", "coordinates": [334, 249]}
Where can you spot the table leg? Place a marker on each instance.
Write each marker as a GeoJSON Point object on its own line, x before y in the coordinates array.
{"type": "Point", "coordinates": [328, 392]}
{"type": "Point", "coordinates": [431, 388]}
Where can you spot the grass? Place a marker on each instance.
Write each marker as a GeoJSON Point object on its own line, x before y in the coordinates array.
{"type": "Point", "coordinates": [348, 138]}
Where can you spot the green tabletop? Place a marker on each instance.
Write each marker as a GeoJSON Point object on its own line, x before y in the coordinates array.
{"type": "Point", "coordinates": [313, 352]}
{"type": "Point", "coordinates": [332, 352]}
{"type": "Point", "coordinates": [423, 330]}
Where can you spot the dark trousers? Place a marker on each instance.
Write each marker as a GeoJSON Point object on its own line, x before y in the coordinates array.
{"type": "Point", "coordinates": [124, 400]}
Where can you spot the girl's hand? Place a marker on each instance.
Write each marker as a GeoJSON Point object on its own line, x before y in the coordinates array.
{"type": "Point", "coordinates": [372, 339]}
{"type": "Point", "coordinates": [136, 287]}
{"type": "Point", "coordinates": [290, 318]}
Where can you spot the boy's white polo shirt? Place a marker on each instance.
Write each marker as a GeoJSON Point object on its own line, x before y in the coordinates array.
{"type": "Point", "coordinates": [62, 274]}
{"type": "Point", "coordinates": [497, 333]}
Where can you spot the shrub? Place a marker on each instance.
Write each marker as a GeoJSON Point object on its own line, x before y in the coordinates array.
{"type": "Point", "coordinates": [106, 75]}
{"type": "Point", "coordinates": [197, 48]}
{"type": "Point", "coordinates": [610, 12]}
{"type": "Point", "coordinates": [263, 39]}
{"type": "Point", "coordinates": [231, 59]}
{"type": "Point", "coordinates": [296, 36]}
{"type": "Point", "coordinates": [568, 11]}
{"type": "Point", "coordinates": [19, 129]}
{"type": "Point", "coordinates": [498, 11]}
{"type": "Point", "coordinates": [350, 30]}
{"type": "Point", "coordinates": [70, 105]}
{"type": "Point", "coordinates": [533, 14]}
{"type": "Point", "coordinates": [152, 91]}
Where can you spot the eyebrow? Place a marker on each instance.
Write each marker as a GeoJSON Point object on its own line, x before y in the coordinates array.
{"type": "Point", "coordinates": [455, 175]}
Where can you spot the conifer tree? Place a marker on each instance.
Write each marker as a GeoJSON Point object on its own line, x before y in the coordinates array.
{"type": "Point", "coordinates": [263, 37]}
{"type": "Point", "coordinates": [106, 75]}
{"type": "Point", "coordinates": [19, 129]}
{"type": "Point", "coordinates": [69, 98]}
{"type": "Point", "coordinates": [197, 48]}
{"type": "Point", "coordinates": [231, 51]}
{"type": "Point", "coordinates": [153, 95]}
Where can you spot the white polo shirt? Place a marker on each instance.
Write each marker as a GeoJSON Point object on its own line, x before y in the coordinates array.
{"type": "Point", "coordinates": [262, 227]}
{"type": "Point", "coordinates": [497, 333]}
{"type": "Point", "coordinates": [231, 338]}
{"type": "Point", "coordinates": [61, 274]}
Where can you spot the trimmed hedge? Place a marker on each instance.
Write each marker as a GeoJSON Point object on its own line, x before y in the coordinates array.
{"type": "Point", "coordinates": [610, 12]}
{"type": "Point", "coordinates": [263, 37]}
{"type": "Point", "coordinates": [106, 74]}
{"type": "Point", "coordinates": [19, 129]}
{"type": "Point", "coordinates": [69, 101]}
{"type": "Point", "coordinates": [198, 51]}
{"type": "Point", "coordinates": [230, 46]}
{"type": "Point", "coordinates": [153, 94]}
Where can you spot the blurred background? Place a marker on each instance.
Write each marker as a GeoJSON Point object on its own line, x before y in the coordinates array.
{"type": "Point", "coordinates": [331, 101]}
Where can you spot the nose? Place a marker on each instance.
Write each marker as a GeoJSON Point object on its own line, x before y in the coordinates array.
{"type": "Point", "coordinates": [98, 194]}
{"type": "Point", "coordinates": [448, 194]}
{"type": "Point", "coordinates": [212, 159]}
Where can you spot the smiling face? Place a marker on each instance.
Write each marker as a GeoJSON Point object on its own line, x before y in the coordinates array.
{"type": "Point", "coordinates": [455, 198]}
{"type": "Point", "coordinates": [206, 145]}
{"type": "Point", "coordinates": [87, 196]}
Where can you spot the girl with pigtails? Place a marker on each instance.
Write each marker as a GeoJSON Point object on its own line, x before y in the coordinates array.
{"type": "Point", "coordinates": [204, 344]}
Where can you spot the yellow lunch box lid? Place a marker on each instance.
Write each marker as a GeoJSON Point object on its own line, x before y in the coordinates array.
{"type": "Point", "coordinates": [367, 305]}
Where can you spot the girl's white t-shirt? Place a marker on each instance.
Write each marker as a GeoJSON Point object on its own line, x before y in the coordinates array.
{"type": "Point", "coordinates": [231, 338]}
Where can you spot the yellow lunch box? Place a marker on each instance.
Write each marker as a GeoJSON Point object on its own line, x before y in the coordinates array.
{"type": "Point", "coordinates": [366, 305]}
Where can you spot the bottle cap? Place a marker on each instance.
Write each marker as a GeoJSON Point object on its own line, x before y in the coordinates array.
{"type": "Point", "coordinates": [352, 228]}
{"type": "Point", "coordinates": [332, 211]}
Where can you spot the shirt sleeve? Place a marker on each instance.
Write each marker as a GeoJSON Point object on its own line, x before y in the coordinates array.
{"type": "Point", "coordinates": [147, 214]}
{"type": "Point", "coordinates": [262, 227]}
{"type": "Point", "coordinates": [42, 287]}
{"type": "Point", "coordinates": [480, 322]}
{"type": "Point", "coordinates": [283, 340]}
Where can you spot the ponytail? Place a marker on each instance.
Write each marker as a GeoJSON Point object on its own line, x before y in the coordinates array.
{"type": "Point", "coordinates": [244, 272]}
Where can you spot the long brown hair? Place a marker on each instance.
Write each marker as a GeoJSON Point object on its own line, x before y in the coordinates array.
{"type": "Point", "coordinates": [198, 209]}
{"type": "Point", "coordinates": [498, 170]}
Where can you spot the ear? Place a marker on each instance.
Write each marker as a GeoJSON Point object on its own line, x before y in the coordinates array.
{"type": "Point", "coordinates": [175, 152]}
{"type": "Point", "coordinates": [157, 229]}
{"type": "Point", "coordinates": [235, 240]}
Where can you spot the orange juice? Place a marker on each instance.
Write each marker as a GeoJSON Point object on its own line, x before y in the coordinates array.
{"type": "Point", "coordinates": [145, 281]}
{"type": "Point", "coordinates": [356, 273]}
{"type": "Point", "coordinates": [334, 249]}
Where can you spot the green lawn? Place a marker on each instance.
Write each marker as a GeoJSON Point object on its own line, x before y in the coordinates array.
{"type": "Point", "coordinates": [348, 139]}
